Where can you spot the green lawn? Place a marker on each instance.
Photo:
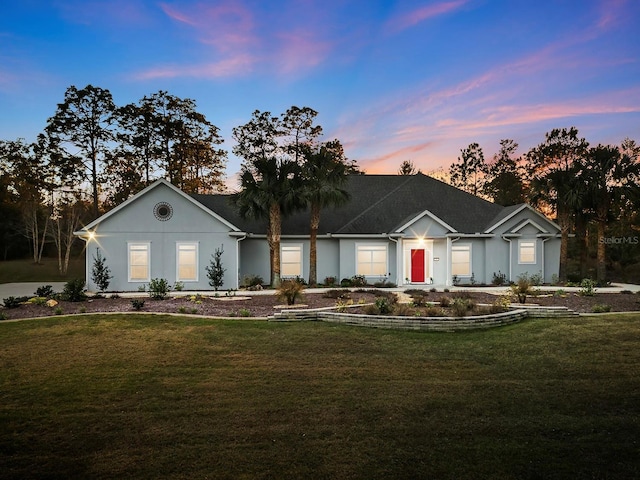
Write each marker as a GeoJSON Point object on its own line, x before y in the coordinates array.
{"type": "Point", "coordinates": [46, 271]}
{"type": "Point", "coordinates": [120, 396]}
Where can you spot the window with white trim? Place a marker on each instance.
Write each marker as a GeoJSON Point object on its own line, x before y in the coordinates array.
{"type": "Point", "coordinates": [291, 260]}
{"type": "Point", "coordinates": [461, 260]}
{"type": "Point", "coordinates": [526, 251]}
{"type": "Point", "coordinates": [139, 254]}
{"type": "Point", "coordinates": [187, 262]}
{"type": "Point", "coordinates": [371, 260]}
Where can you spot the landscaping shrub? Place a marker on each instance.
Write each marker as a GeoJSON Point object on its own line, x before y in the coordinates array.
{"type": "Point", "coordinates": [158, 288]}
{"type": "Point", "coordinates": [461, 306]}
{"type": "Point", "coordinates": [137, 304]}
{"type": "Point", "coordinates": [215, 271]}
{"type": "Point", "coordinates": [499, 278]}
{"type": "Point", "coordinates": [178, 286]}
{"type": "Point", "coordinates": [290, 290]}
{"type": "Point", "coordinates": [358, 281]}
{"type": "Point", "coordinates": [587, 287]}
{"type": "Point", "coordinates": [522, 288]}
{"type": "Point", "coordinates": [44, 291]}
{"type": "Point", "coordinates": [14, 302]}
{"type": "Point", "coordinates": [252, 282]}
{"type": "Point", "coordinates": [330, 281]}
{"type": "Point", "coordinates": [384, 305]}
{"type": "Point", "coordinates": [337, 293]}
{"type": "Point", "coordinates": [444, 301]}
{"type": "Point", "coordinates": [38, 301]}
{"type": "Point", "coordinates": [434, 312]}
{"type": "Point", "coordinates": [601, 308]}
{"type": "Point", "coordinates": [403, 310]}
{"type": "Point", "coordinates": [418, 297]}
{"type": "Point", "coordinates": [345, 283]}
{"type": "Point", "coordinates": [100, 273]}
{"type": "Point", "coordinates": [3, 316]}
{"type": "Point", "coordinates": [74, 291]}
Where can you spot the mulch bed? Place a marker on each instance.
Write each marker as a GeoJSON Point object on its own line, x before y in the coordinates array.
{"type": "Point", "coordinates": [266, 305]}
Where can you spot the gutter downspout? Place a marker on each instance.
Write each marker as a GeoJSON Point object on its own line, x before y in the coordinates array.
{"type": "Point", "coordinates": [397, 282]}
{"type": "Point", "coordinates": [238, 240]}
{"type": "Point", "coordinates": [450, 241]}
{"type": "Point", "coordinates": [510, 257]}
{"type": "Point", "coordinates": [543, 248]}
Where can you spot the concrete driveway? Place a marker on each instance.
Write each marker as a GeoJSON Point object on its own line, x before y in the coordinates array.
{"type": "Point", "coordinates": [26, 289]}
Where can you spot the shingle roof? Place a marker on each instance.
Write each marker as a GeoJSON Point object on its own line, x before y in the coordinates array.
{"type": "Point", "coordinates": [379, 204]}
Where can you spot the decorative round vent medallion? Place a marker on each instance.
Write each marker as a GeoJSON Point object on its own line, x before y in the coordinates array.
{"type": "Point", "coordinates": [163, 211]}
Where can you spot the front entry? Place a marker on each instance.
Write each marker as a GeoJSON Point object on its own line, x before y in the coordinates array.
{"type": "Point", "coordinates": [417, 265]}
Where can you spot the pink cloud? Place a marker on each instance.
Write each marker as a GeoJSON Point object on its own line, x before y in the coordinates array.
{"type": "Point", "coordinates": [300, 49]}
{"type": "Point", "coordinates": [611, 13]}
{"type": "Point", "coordinates": [239, 65]}
{"type": "Point", "coordinates": [412, 18]}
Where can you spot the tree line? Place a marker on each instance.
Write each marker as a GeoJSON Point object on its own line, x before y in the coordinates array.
{"type": "Point", "coordinates": [93, 155]}
{"type": "Point", "coordinates": [586, 189]}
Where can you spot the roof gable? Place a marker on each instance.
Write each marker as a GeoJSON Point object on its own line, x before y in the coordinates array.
{"type": "Point", "coordinates": [145, 191]}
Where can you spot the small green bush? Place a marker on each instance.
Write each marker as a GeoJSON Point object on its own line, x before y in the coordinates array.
{"type": "Point", "coordinates": [358, 281]}
{"type": "Point", "coordinates": [38, 301]}
{"type": "Point", "coordinates": [58, 311]}
{"type": "Point", "coordinates": [499, 278]}
{"type": "Point", "coordinates": [14, 302]}
{"type": "Point", "coordinates": [182, 309]}
{"type": "Point", "coordinates": [461, 306]}
{"type": "Point", "coordinates": [384, 305]}
{"type": "Point", "coordinates": [74, 291]}
{"type": "Point", "coordinates": [244, 312]}
{"type": "Point", "coordinates": [158, 288]}
{"type": "Point", "coordinates": [178, 286]}
{"type": "Point", "coordinates": [250, 281]}
{"type": "Point", "coordinates": [587, 287]}
{"type": "Point", "coordinates": [3, 316]}
{"type": "Point", "coordinates": [601, 308]}
{"type": "Point", "coordinates": [44, 291]}
{"type": "Point", "coordinates": [137, 304]}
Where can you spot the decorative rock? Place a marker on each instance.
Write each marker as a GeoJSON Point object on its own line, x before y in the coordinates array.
{"type": "Point", "coordinates": [51, 303]}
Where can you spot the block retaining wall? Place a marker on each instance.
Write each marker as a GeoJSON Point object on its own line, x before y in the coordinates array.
{"type": "Point", "coordinates": [432, 324]}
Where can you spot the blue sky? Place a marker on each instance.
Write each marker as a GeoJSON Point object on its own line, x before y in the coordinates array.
{"type": "Point", "coordinates": [393, 80]}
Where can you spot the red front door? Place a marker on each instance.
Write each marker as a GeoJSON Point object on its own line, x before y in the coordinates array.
{"type": "Point", "coordinates": [417, 266]}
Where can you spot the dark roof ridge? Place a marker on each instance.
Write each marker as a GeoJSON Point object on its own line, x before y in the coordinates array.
{"type": "Point", "coordinates": [375, 204]}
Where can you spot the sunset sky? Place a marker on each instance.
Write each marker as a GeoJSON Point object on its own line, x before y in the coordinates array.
{"type": "Point", "coordinates": [393, 80]}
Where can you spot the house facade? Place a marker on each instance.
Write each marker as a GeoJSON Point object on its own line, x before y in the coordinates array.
{"type": "Point", "coordinates": [409, 230]}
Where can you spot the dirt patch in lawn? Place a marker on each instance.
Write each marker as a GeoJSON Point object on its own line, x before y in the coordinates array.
{"type": "Point", "coordinates": [246, 305]}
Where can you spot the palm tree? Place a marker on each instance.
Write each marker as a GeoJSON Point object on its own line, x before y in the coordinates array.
{"type": "Point", "coordinates": [608, 175]}
{"type": "Point", "coordinates": [270, 190]}
{"type": "Point", "coordinates": [325, 173]}
{"type": "Point", "coordinates": [553, 168]}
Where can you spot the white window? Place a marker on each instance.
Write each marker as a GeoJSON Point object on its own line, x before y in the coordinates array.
{"type": "Point", "coordinates": [526, 251]}
{"type": "Point", "coordinates": [139, 262]}
{"type": "Point", "coordinates": [461, 260]}
{"type": "Point", "coordinates": [291, 260]}
{"type": "Point", "coordinates": [371, 260]}
{"type": "Point", "coordinates": [187, 262]}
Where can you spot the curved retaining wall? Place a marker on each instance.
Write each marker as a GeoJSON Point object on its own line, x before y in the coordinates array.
{"type": "Point", "coordinates": [430, 324]}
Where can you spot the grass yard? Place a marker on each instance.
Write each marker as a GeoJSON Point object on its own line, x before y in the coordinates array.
{"type": "Point", "coordinates": [47, 271]}
{"type": "Point", "coordinates": [168, 397]}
